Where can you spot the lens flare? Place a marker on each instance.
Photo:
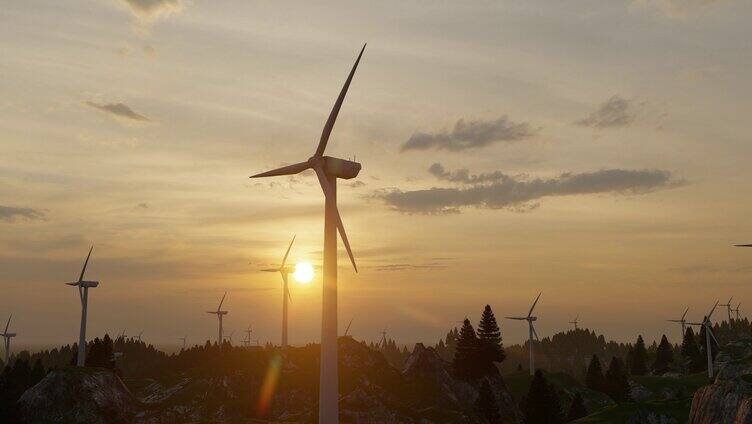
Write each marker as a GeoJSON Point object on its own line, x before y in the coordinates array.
{"type": "Point", "coordinates": [270, 385]}
{"type": "Point", "coordinates": [303, 272]}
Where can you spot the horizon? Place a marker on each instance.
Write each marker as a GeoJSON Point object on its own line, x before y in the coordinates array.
{"type": "Point", "coordinates": [592, 152]}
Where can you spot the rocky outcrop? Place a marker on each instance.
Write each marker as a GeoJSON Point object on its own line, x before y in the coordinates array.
{"type": "Point", "coordinates": [78, 395]}
{"type": "Point", "coordinates": [729, 399]}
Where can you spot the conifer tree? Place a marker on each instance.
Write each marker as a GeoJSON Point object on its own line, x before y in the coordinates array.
{"type": "Point", "coordinates": [664, 356]}
{"type": "Point", "coordinates": [691, 352]}
{"type": "Point", "coordinates": [489, 338]}
{"type": "Point", "coordinates": [486, 404]}
{"type": "Point", "coordinates": [542, 404]}
{"type": "Point", "coordinates": [594, 377]}
{"type": "Point", "coordinates": [639, 358]}
{"type": "Point", "coordinates": [465, 361]}
{"type": "Point", "coordinates": [616, 383]}
{"type": "Point", "coordinates": [577, 410]}
{"type": "Point", "coordinates": [37, 372]}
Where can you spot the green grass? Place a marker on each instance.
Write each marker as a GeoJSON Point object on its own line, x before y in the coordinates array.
{"type": "Point", "coordinates": [678, 409]}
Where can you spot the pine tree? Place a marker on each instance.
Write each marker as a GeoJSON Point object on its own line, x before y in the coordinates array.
{"type": "Point", "coordinates": [616, 383]}
{"type": "Point", "coordinates": [37, 372]}
{"type": "Point", "coordinates": [486, 404]}
{"type": "Point", "coordinates": [639, 358]}
{"type": "Point", "coordinates": [691, 352]}
{"type": "Point", "coordinates": [664, 356]}
{"type": "Point", "coordinates": [466, 354]}
{"type": "Point", "coordinates": [577, 410]}
{"type": "Point", "coordinates": [542, 404]}
{"type": "Point", "coordinates": [594, 377]}
{"type": "Point", "coordinates": [489, 340]}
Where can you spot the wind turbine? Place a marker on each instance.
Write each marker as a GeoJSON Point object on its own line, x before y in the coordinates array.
{"type": "Point", "coordinates": [83, 294]}
{"type": "Point", "coordinates": [383, 338]}
{"type": "Point", "coordinates": [183, 339]}
{"type": "Point", "coordinates": [247, 340]}
{"type": "Point", "coordinates": [230, 336]}
{"type": "Point", "coordinates": [708, 334]}
{"type": "Point", "coordinates": [139, 336]}
{"type": "Point", "coordinates": [728, 307]}
{"type": "Point", "coordinates": [328, 170]}
{"type": "Point", "coordinates": [530, 318]}
{"type": "Point", "coordinates": [347, 330]}
{"type": "Point", "coordinates": [682, 321]}
{"type": "Point", "coordinates": [737, 310]}
{"type": "Point", "coordinates": [284, 271]}
{"type": "Point", "coordinates": [219, 313]}
{"type": "Point", "coordinates": [7, 336]}
{"type": "Point", "coordinates": [575, 321]}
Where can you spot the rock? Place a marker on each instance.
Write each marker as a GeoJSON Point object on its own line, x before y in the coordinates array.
{"type": "Point", "coordinates": [638, 392]}
{"type": "Point", "coordinates": [78, 395]}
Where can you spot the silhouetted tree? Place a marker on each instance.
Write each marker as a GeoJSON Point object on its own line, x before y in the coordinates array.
{"type": "Point", "coordinates": [616, 383]}
{"type": "Point", "coordinates": [664, 356]}
{"type": "Point", "coordinates": [100, 353]}
{"type": "Point", "coordinates": [542, 404]}
{"type": "Point", "coordinates": [639, 358]}
{"type": "Point", "coordinates": [486, 404]}
{"type": "Point", "coordinates": [466, 356]}
{"type": "Point", "coordinates": [577, 409]}
{"type": "Point", "coordinates": [489, 341]}
{"type": "Point", "coordinates": [691, 352]}
{"type": "Point", "coordinates": [37, 372]}
{"type": "Point", "coordinates": [594, 377]}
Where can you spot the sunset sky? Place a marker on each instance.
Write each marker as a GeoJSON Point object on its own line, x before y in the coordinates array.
{"type": "Point", "coordinates": [597, 151]}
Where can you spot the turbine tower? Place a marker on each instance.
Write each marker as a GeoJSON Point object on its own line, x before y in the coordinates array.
{"type": "Point", "coordinates": [530, 318]}
{"type": "Point", "coordinates": [575, 322]}
{"type": "Point", "coordinates": [284, 271]}
{"type": "Point", "coordinates": [83, 294]}
{"type": "Point", "coordinates": [183, 339]}
{"type": "Point", "coordinates": [247, 340]}
{"type": "Point", "coordinates": [708, 334]}
{"type": "Point", "coordinates": [7, 336]}
{"type": "Point", "coordinates": [737, 310]}
{"type": "Point", "coordinates": [682, 321]}
{"type": "Point", "coordinates": [219, 313]}
{"type": "Point", "coordinates": [728, 307]}
{"type": "Point", "coordinates": [328, 170]}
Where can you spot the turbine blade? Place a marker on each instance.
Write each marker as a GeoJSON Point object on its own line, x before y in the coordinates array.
{"type": "Point", "coordinates": [517, 318]}
{"type": "Point", "coordinates": [270, 270]}
{"type": "Point", "coordinates": [221, 302]}
{"type": "Point", "coordinates": [81, 277]}
{"type": "Point", "coordinates": [685, 313]}
{"type": "Point", "coordinates": [335, 110]}
{"type": "Point", "coordinates": [707, 328]}
{"type": "Point", "coordinates": [348, 326]}
{"type": "Point", "coordinates": [285, 170]}
{"type": "Point", "coordinates": [534, 303]}
{"type": "Point", "coordinates": [743, 245]}
{"type": "Point", "coordinates": [284, 260]}
{"type": "Point", "coordinates": [328, 193]}
{"type": "Point", "coordinates": [8, 324]}
{"type": "Point", "coordinates": [712, 310]}
{"type": "Point", "coordinates": [534, 332]}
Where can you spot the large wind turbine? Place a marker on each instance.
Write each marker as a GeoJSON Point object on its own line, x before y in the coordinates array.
{"type": "Point", "coordinates": [530, 318]}
{"type": "Point", "coordinates": [708, 334]}
{"type": "Point", "coordinates": [728, 307]}
{"type": "Point", "coordinates": [682, 321]}
{"type": "Point", "coordinates": [219, 313]}
{"type": "Point", "coordinates": [575, 321]}
{"type": "Point", "coordinates": [83, 294]}
{"type": "Point", "coordinates": [284, 271]}
{"type": "Point", "coordinates": [328, 170]}
{"type": "Point", "coordinates": [7, 336]}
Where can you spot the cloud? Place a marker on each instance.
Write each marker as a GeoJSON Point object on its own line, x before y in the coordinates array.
{"type": "Point", "coordinates": [151, 10]}
{"type": "Point", "coordinates": [674, 9]}
{"type": "Point", "coordinates": [470, 135]}
{"type": "Point", "coordinates": [614, 112]}
{"type": "Point", "coordinates": [515, 194]}
{"type": "Point", "coordinates": [119, 110]}
{"type": "Point", "coordinates": [11, 213]}
{"type": "Point", "coordinates": [463, 175]}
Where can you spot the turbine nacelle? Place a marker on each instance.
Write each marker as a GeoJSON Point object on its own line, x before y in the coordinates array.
{"type": "Point", "coordinates": [84, 283]}
{"type": "Point", "coordinates": [340, 168]}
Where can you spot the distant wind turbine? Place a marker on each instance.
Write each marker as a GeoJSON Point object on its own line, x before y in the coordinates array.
{"type": "Point", "coordinates": [7, 336]}
{"type": "Point", "coordinates": [708, 334]}
{"type": "Point", "coordinates": [737, 310]}
{"type": "Point", "coordinates": [383, 338]}
{"type": "Point", "coordinates": [184, 338]}
{"type": "Point", "coordinates": [682, 321]}
{"type": "Point", "coordinates": [728, 307]}
{"type": "Point", "coordinates": [139, 336]}
{"type": "Point", "coordinates": [247, 340]}
{"type": "Point", "coordinates": [347, 330]}
{"type": "Point", "coordinates": [575, 321]}
{"type": "Point", "coordinates": [83, 294]}
{"type": "Point", "coordinates": [230, 336]}
{"type": "Point", "coordinates": [328, 170]}
{"type": "Point", "coordinates": [219, 313]}
{"type": "Point", "coordinates": [284, 271]}
{"type": "Point", "coordinates": [530, 318]}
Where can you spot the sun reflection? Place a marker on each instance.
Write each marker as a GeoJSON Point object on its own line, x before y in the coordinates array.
{"type": "Point", "coordinates": [303, 272]}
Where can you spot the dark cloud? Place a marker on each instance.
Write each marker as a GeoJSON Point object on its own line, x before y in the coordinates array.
{"type": "Point", "coordinates": [519, 195]}
{"type": "Point", "coordinates": [11, 213]}
{"type": "Point", "coordinates": [614, 112]}
{"type": "Point", "coordinates": [356, 184]}
{"type": "Point", "coordinates": [119, 110]}
{"type": "Point", "coordinates": [470, 135]}
{"type": "Point", "coordinates": [463, 175]}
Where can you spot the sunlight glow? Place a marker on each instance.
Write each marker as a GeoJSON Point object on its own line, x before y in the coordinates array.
{"type": "Point", "coordinates": [303, 272]}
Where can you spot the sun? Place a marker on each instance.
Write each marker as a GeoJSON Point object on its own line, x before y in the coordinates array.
{"type": "Point", "coordinates": [303, 272]}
